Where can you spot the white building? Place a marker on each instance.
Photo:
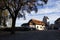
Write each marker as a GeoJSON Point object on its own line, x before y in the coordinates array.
{"type": "Point", "coordinates": [39, 25]}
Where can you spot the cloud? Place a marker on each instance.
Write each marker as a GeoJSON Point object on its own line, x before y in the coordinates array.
{"type": "Point", "coordinates": [47, 10]}
{"type": "Point", "coordinates": [52, 6]}
{"type": "Point", "coordinates": [52, 17]}
{"type": "Point", "coordinates": [52, 10]}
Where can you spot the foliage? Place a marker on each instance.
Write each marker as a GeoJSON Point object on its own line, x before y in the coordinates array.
{"type": "Point", "coordinates": [17, 8]}
{"type": "Point", "coordinates": [21, 5]}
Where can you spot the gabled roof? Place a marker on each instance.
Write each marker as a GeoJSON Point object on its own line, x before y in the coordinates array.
{"type": "Point", "coordinates": [57, 21]}
{"type": "Point", "coordinates": [36, 22]}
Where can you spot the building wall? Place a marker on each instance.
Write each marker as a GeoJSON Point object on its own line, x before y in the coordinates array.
{"type": "Point", "coordinates": [32, 26]}
{"type": "Point", "coordinates": [38, 27]}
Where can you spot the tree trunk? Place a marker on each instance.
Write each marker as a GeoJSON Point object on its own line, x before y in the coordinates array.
{"type": "Point", "coordinates": [13, 26]}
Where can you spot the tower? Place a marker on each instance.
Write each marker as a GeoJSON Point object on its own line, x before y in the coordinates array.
{"type": "Point", "coordinates": [46, 21]}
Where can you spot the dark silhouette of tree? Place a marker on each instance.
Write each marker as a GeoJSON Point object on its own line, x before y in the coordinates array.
{"type": "Point", "coordinates": [0, 16]}
{"type": "Point", "coordinates": [3, 17]}
{"type": "Point", "coordinates": [19, 6]}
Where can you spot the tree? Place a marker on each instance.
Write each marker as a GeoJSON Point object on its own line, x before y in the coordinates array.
{"type": "Point", "coordinates": [19, 6]}
{"type": "Point", "coordinates": [3, 17]}
{"type": "Point", "coordinates": [0, 16]}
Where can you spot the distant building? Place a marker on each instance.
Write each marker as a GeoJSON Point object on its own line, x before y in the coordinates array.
{"type": "Point", "coordinates": [51, 26]}
{"type": "Point", "coordinates": [25, 25]}
{"type": "Point", "coordinates": [57, 23]}
{"type": "Point", "coordinates": [39, 25]}
{"type": "Point", "coordinates": [36, 24]}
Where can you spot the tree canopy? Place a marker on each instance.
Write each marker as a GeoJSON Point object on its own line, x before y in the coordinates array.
{"type": "Point", "coordinates": [21, 5]}
{"type": "Point", "coordinates": [17, 7]}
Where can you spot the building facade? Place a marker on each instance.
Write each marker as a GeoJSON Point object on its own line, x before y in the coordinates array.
{"type": "Point", "coordinates": [39, 25]}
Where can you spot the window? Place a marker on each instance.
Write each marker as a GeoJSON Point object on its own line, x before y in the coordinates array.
{"type": "Point", "coordinates": [37, 26]}
{"type": "Point", "coordinates": [40, 27]}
